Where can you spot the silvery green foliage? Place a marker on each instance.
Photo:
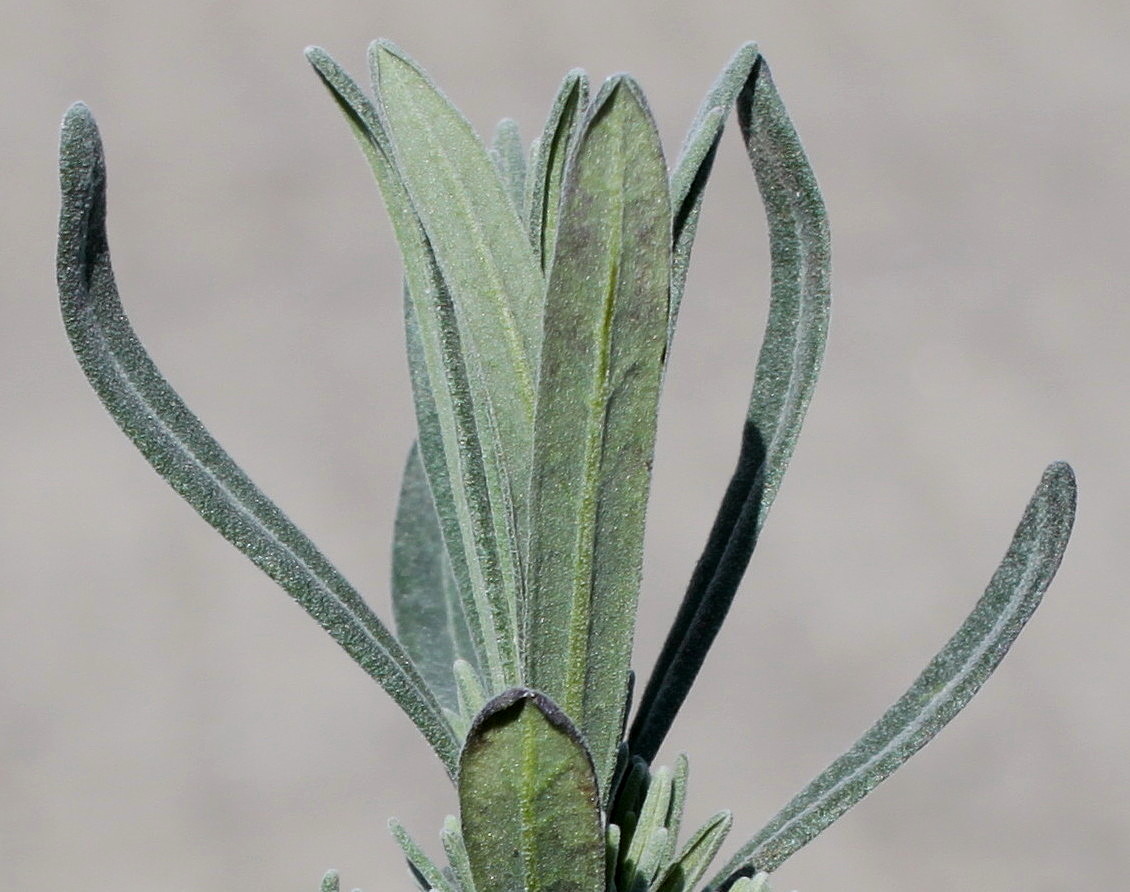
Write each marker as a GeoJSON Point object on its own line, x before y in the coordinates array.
{"type": "Point", "coordinates": [541, 291]}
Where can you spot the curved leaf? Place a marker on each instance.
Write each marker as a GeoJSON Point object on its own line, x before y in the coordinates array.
{"type": "Point", "coordinates": [185, 454]}
{"type": "Point", "coordinates": [943, 689]}
{"type": "Point", "coordinates": [787, 369]}
{"type": "Point", "coordinates": [605, 332]}
{"type": "Point", "coordinates": [688, 179]}
{"type": "Point", "coordinates": [529, 801]}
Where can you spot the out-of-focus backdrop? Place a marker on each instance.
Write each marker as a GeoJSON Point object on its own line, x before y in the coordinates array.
{"type": "Point", "coordinates": [170, 720]}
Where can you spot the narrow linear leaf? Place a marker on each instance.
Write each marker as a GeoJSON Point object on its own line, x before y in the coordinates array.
{"type": "Point", "coordinates": [678, 803]}
{"type": "Point", "coordinates": [529, 801]}
{"type": "Point", "coordinates": [510, 161]}
{"type": "Point", "coordinates": [457, 461]}
{"type": "Point", "coordinates": [179, 448]}
{"type": "Point", "coordinates": [472, 697]}
{"type": "Point", "coordinates": [611, 856]}
{"type": "Point", "coordinates": [456, 851]}
{"type": "Point", "coordinates": [483, 253]}
{"type": "Point", "coordinates": [695, 857]}
{"type": "Point", "coordinates": [547, 163]}
{"type": "Point", "coordinates": [787, 369]}
{"type": "Point", "coordinates": [629, 795]}
{"type": "Point", "coordinates": [461, 468]}
{"type": "Point", "coordinates": [943, 689]}
{"type": "Point", "coordinates": [425, 597]}
{"type": "Point", "coordinates": [758, 883]}
{"type": "Point", "coordinates": [688, 179]}
{"type": "Point", "coordinates": [421, 864]}
{"type": "Point", "coordinates": [640, 858]}
{"type": "Point", "coordinates": [605, 331]}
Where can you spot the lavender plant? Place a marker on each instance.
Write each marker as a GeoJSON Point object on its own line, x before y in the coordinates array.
{"type": "Point", "coordinates": [541, 292]}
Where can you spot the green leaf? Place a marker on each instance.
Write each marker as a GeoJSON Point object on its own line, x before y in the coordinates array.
{"type": "Point", "coordinates": [179, 448]}
{"type": "Point", "coordinates": [605, 333]}
{"type": "Point", "coordinates": [787, 370]}
{"type": "Point", "coordinates": [529, 800]}
{"type": "Point", "coordinates": [422, 866]}
{"type": "Point", "coordinates": [758, 883]}
{"type": "Point", "coordinates": [641, 858]}
{"type": "Point", "coordinates": [472, 697]}
{"type": "Point", "coordinates": [457, 856]}
{"type": "Point", "coordinates": [510, 161]}
{"type": "Point", "coordinates": [425, 598]}
{"type": "Point", "coordinates": [696, 855]}
{"type": "Point", "coordinates": [943, 689]}
{"type": "Point", "coordinates": [484, 255]}
{"type": "Point", "coordinates": [688, 179]}
{"type": "Point", "coordinates": [460, 463]}
{"type": "Point", "coordinates": [547, 163]}
{"type": "Point", "coordinates": [678, 803]}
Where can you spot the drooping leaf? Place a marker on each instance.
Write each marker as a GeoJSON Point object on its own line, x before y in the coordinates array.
{"type": "Point", "coordinates": [943, 689]}
{"type": "Point", "coordinates": [529, 801]}
{"type": "Point", "coordinates": [547, 163]}
{"type": "Point", "coordinates": [179, 448]}
{"type": "Point", "coordinates": [489, 269]}
{"type": "Point", "coordinates": [605, 334]}
{"type": "Point", "coordinates": [510, 161]}
{"type": "Point", "coordinates": [460, 463]}
{"type": "Point", "coordinates": [425, 598]}
{"type": "Point", "coordinates": [688, 179]}
{"type": "Point", "coordinates": [787, 369]}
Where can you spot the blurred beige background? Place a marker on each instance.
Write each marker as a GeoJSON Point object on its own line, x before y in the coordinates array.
{"type": "Point", "coordinates": [169, 720]}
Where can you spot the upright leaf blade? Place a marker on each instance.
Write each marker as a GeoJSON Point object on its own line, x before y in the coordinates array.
{"type": "Point", "coordinates": [484, 255]}
{"type": "Point", "coordinates": [943, 689]}
{"type": "Point", "coordinates": [547, 163]}
{"type": "Point", "coordinates": [179, 448]}
{"type": "Point", "coordinates": [605, 333]}
{"type": "Point", "coordinates": [510, 161]}
{"type": "Point", "coordinates": [787, 368]}
{"type": "Point", "coordinates": [425, 598]}
{"type": "Point", "coordinates": [462, 464]}
{"type": "Point", "coordinates": [528, 800]}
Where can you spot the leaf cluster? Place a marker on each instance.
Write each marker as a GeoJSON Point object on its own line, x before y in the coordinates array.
{"type": "Point", "coordinates": [541, 293]}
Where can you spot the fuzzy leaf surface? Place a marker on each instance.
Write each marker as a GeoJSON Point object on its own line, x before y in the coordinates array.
{"type": "Point", "coordinates": [547, 163]}
{"type": "Point", "coordinates": [483, 253]}
{"type": "Point", "coordinates": [461, 462]}
{"type": "Point", "coordinates": [688, 179]}
{"type": "Point", "coordinates": [943, 689]}
{"type": "Point", "coordinates": [605, 335]}
{"type": "Point", "coordinates": [695, 857]}
{"type": "Point", "coordinates": [529, 801]}
{"type": "Point", "coordinates": [510, 161]}
{"type": "Point", "coordinates": [425, 597]}
{"type": "Point", "coordinates": [182, 451]}
{"type": "Point", "coordinates": [787, 369]}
